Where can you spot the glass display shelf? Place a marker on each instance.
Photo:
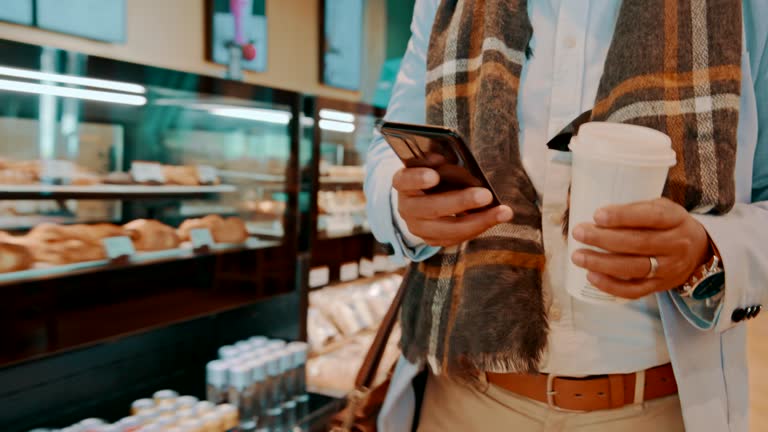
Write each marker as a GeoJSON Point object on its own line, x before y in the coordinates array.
{"type": "Point", "coordinates": [113, 192]}
{"type": "Point", "coordinates": [186, 251]}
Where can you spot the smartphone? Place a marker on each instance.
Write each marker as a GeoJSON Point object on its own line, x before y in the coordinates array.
{"type": "Point", "coordinates": [441, 149]}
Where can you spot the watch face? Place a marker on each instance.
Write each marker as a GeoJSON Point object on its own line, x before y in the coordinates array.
{"type": "Point", "coordinates": [709, 286]}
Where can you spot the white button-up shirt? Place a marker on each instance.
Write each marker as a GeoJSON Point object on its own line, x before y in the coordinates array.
{"type": "Point", "coordinates": [706, 350]}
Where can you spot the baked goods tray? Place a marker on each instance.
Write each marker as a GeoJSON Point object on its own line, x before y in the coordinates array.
{"type": "Point", "coordinates": [108, 191]}
{"type": "Point", "coordinates": [43, 271]}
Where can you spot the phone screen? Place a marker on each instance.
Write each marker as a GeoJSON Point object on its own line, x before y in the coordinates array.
{"type": "Point", "coordinates": [439, 149]}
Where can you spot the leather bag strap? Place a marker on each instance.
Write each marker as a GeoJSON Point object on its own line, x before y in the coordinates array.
{"type": "Point", "coordinates": [367, 373]}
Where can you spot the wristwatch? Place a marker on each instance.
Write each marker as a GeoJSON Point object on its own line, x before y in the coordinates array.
{"type": "Point", "coordinates": [707, 281]}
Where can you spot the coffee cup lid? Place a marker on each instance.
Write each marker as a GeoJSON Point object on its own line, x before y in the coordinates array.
{"type": "Point", "coordinates": [624, 143]}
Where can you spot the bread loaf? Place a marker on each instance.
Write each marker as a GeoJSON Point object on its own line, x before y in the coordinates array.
{"type": "Point", "coordinates": [181, 175]}
{"type": "Point", "coordinates": [66, 244]}
{"type": "Point", "coordinates": [151, 235]}
{"type": "Point", "coordinates": [13, 256]}
{"type": "Point", "coordinates": [229, 230]}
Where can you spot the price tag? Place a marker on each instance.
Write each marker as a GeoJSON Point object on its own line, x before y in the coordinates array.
{"type": "Point", "coordinates": [366, 267]}
{"type": "Point", "coordinates": [380, 263]}
{"type": "Point", "coordinates": [118, 247]}
{"type": "Point", "coordinates": [147, 172]}
{"type": "Point", "coordinates": [319, 276]}
{"type": "Point", "coordinates": [349, 271]}
{"type": "Point", "coordinates": [337, 224]}
{"type": "Point", "coordinates": [207, 174]}
{"type": "Point", "coordinates": [61, 170]}
{"type": "Point", "coordinates": [201, 238]}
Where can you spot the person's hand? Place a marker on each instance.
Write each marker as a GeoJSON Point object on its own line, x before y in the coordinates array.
{"type": "Point", "coordinates": [434, 217]}
{"type": "Point", "coordinates": [631, 234]}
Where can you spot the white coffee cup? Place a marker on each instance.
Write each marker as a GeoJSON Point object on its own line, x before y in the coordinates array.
{"type": "Point", "coordinates": [613, 163]}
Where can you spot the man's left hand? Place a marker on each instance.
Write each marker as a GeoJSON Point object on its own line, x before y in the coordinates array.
{"type": "Point", "coordinates": [632, 233]}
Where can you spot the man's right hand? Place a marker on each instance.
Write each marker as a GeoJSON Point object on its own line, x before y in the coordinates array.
{"type": "Point", "coordinates": [433, 217]}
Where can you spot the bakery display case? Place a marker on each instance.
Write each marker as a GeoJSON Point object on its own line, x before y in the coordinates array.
{"type": "Point", "coordinates": [147, 216]}
{"type": "Point", "coordinates": [343, 248]}
{"type": "Point", "coordinates": [345, 129]}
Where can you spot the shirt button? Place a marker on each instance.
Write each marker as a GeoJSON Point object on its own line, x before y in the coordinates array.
{"type": "Point", "coordinates": [570, 42]}
{"type": "Point", "coordinates": [555, 218]}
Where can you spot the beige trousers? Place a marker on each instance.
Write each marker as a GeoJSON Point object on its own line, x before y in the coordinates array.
{"type": "Point", "coordinates": [450, 406]}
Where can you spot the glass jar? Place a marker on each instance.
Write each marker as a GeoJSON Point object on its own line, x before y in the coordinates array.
{"type": "Point", "coordinates": [229, 416]}
{"type": "Point", "coordinates": [228, 352]}
{"type": "Point", "coordinates": [241, 393]}
{"type": "Point", "coordinates": [141, 404]}
{"type": "Point", "coordinates": [204, 407]}
{"type": "Point", "coordinates": [165, 397]}
{"type": "Point", "coordinates": [216, 373]}
{"type": "Point", "coordinates": [186, 402]}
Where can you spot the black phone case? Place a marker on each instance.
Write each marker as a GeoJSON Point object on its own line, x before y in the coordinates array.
{"type": "Point", "coordinates": [408, 141]}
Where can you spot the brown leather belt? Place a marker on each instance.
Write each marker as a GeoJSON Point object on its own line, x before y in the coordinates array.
{"type": "Point", "coordinates": [592, 393]}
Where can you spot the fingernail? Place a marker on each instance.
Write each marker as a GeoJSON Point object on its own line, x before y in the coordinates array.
{"type": "Point", "coordinates": [578, 258]}
{"type": "Point", "coordinates": [593, 278]}
{"type": "Point", "coordinates": [504, 214]}
{"type": "Point", "coordinates": [578, 233]}
{"type": "Point", "coordinates": [429, 177]}
{"type": "Point", "coordinates": [482, 196]}
{"type": "Point", "coordinates": [601, 217]}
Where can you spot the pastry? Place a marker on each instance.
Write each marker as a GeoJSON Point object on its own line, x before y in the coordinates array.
{"type": "Point", "coordinates": [190, 224]}
{"type": "Point", "coordinates": [96, 232]}
{"type": "Point", "coordinates": [16, 177]}
{"type": "Point", "coordinates": [229, 230]}
{"type": "Point", "coordinates": [181, 175]}
{"type": "Point", "coordinates": [120, 178]}
{"type": "Point", "coordinates": [14, 257]}
{"type": "Point", "coordinates": [151, 235]}
{"type": "Point", "coordinates": [60, 244]}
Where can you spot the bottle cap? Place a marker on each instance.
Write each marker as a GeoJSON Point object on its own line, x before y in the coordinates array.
{"type": "Point", "coordinates": [185, 402]}
{"type": "Point", "coordinates": [240, 376]}
{"type": "Point", "coordinates": [228, 352]}
{"type": "Point", "coordinates": [165, 422]}
{"type": "Point", "coordinates": [299, 351]}
{"type": "Point", "coordinates": [192, 425]}
{"type": "Point", "coordinates": [229, 416]}
{"type": "Point", "coordinates": [243, 346]}
{"type": "Point", "coordinates": [216, 373]}
{"type": "Point", "coordinates": [273, 364]}
{"type": "Point", "coordinates": [130, 423]}
{"type": "Point", "coordinates": [212, 421]}
{"type": "Point", "coordinates": [275, 344]}
{"type": "Point", "coordinates": [167, 410]}
{"type": "Point", "coordinates": [164, 396]}
{"type": "Point", "coordinates": [258, 370]}
{"type": "Point", "coordinates": [204, 407]}
{"type": "Point", "coordinates": [286, 360]}
{"type": "Point", "coordinates": [187, 413]}
{"type": "Point", "coordinates": [141, 404]}
{"type": "Point", "coordinates": [257, 341]}
{"type": "Point", "coordinates": [147, 416]}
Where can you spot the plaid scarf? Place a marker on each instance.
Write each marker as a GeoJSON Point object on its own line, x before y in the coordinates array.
{"type": "Point", "coordinates": [673, 65]}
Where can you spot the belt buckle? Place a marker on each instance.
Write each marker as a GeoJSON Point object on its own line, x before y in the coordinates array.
{"type": "Point", "coordinates": [551, 396]}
